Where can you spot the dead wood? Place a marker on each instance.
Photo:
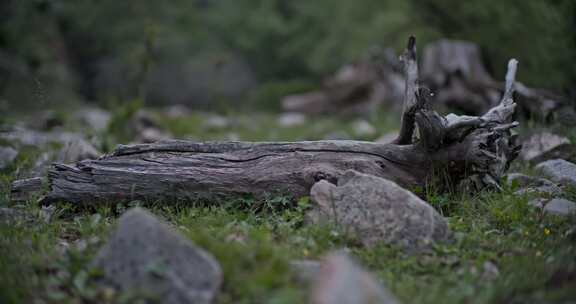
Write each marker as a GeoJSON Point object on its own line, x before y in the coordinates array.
{"type": "Point", "coordinates": [455, 70]}
{"type": "Point", "coordinates": [356, 88]}
{"type": "Point", "coordinates": [469, 151]}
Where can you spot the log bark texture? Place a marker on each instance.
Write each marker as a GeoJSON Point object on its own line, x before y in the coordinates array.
{"type": "Point", "coordinates": [466, 150]}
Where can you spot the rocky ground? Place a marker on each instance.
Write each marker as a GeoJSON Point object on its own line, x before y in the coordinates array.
{"type": "Point", "coordinates": [365, 240]}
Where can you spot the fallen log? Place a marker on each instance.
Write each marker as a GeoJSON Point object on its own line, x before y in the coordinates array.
{"type": "Point", "coordinates": [462, 150]}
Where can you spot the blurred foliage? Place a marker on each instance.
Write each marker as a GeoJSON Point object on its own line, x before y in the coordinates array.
{"type": "Point", "coordinates": [203, 51]}
{"type": "Point", "coordinates": [539, 33]}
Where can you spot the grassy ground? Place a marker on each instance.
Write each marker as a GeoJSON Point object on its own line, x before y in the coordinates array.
{"type": "Point", "coordinates": [503, 250]}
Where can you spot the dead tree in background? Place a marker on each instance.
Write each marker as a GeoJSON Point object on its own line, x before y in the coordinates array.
{"type": "Point", "coordinates": [356, 88]}
{"type": "Point", "coordinates": [471, 151]}
{"type": "Point", "coordinates": [453, 70]}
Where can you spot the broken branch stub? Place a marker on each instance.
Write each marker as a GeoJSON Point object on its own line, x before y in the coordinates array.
{"type": "Point", "coordinates": [470, 151]}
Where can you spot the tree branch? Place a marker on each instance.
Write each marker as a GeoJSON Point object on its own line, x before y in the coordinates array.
{"type": "Point", "coordinates": [410, 107]}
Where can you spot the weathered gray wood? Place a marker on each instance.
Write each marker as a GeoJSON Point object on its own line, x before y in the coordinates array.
{"type": "Point", "coordinates": [25, 189]}
{"type": "Point", "coordinates": [410, 94]}
{"type": "Point", "coordinates": [469, 151]}
{"type": "Point", "coordinates": [187, 170]}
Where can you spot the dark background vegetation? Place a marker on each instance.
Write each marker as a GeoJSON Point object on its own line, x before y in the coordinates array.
{"type": "Point", "coordinates": [246, 54]}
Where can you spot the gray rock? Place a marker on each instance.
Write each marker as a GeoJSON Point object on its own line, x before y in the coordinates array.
{"type": "Point", "coordinates": [559, 171]}
{"type": "Point", "coordinates": [387, 138]}
{"type": "Point", "coordinates": [15, 216]}
{"type": "Point", "coordinates": [94, 118]}
{"type": "Point", "coordinates": [177, 111]}
{"type": "Point", "coordinates": [523, 180]}
{"type": "Point", "coordinates": [362, 128]}
{"type": "Point", "coordinates": [378, 210]}
{"type": "Point", "coordinates": [552, 190]}
{"type": "Point", "coordinates": [7, 156]}
{"type": "Point", "coordinates": [147, 256]}
{"type": "Point", "coordinates": [560, 206]}
{"type": "Point", "coordinates": [151, 135]}
{"type": "Point", "coordinates": [537, 203]}
{"type": "Point", "coordinates": [215, 122]}
{"type": "Point", "coordinates": [291, 119]}
{"type": "Point", "coordinates": [341, 281]}
{"type": "Point", "coordinates": [77, 150]}
{"type": "Point", "coordinates": [544, 146]}
{"type": "Point", "coordinates": [490, 271]}
{"type": "Point", "coordinates": [147, 128]}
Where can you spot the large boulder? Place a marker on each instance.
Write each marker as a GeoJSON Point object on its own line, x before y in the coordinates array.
{"type": "Point", "coordinates": [378, 210]}
{"type": "Point", "coordinates": [341, 281]}
{"type": "Point", "coordinates": [559, 171]}
{"type": "Point", "coordinates": [144, 255]}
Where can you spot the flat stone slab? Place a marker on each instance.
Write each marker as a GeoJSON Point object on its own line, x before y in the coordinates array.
{"type": "Point", "coordinates": [559, 171]}
{"type": "Point", "coordinates": [560, 206]}
{"type": "Point", "coordinates": [146, 256]}
{"type": "Point", "coordinates": [378, 210]}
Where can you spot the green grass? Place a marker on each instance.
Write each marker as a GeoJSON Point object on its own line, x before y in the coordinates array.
{"type": "Point", "coordinates": [254, 241]}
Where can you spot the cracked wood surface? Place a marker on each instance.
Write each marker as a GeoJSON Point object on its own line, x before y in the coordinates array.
{"type": "Point", "coordinates": [189, 170]}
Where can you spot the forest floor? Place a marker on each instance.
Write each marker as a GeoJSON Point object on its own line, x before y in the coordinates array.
{"type": "Point", "coordinates": [504, 250]}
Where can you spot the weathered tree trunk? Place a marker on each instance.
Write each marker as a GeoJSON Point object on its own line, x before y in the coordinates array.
{"type": "Point", "coordinates": [473, 151]}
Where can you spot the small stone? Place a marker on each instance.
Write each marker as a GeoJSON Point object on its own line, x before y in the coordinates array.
{"type": "Point", "coordinates": [490, 271]}
{"type": "Point", "coordinates": [377, 210]}
{"type": "Point", "coordinates": [341, 281]}
{"type": "Point", "coordinates": [387, 138]}
{"type": "Point", "coordinates": [560, 206]}
{"type": "Point", "coordinates": [96, 119]}
{"type": "Point", "coordinates": [523, 180]}
{"type": "Point", "coordinates": [177, 111]}
{"type": "Point", "coordinates": [152, 135]}
{"type": "Point", "coordinates": [7, 156]}
{"type": "Point", "coordinates": [147, 256]}
{"type": "Point", "coordinates": [216, 122]}
{"type": "Point", "coordinates": [77, 150]}
{"type": "Point", "coordinates": [552, 190]}
{"type": "Point", "coordinates": [544, 146]}
{"type": "Point", "coordinates": [559, 171]}
{"type": "Point", "coordinates": [11, 215]}
{"type": "Point", "coordinates": [537, 203]}
{"type": "Point", "coordinates": [291, 119]}
{"type": "Point", "coordinates": [143, 119]}
{"type": "Point", "coordinates": [362, 128]}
